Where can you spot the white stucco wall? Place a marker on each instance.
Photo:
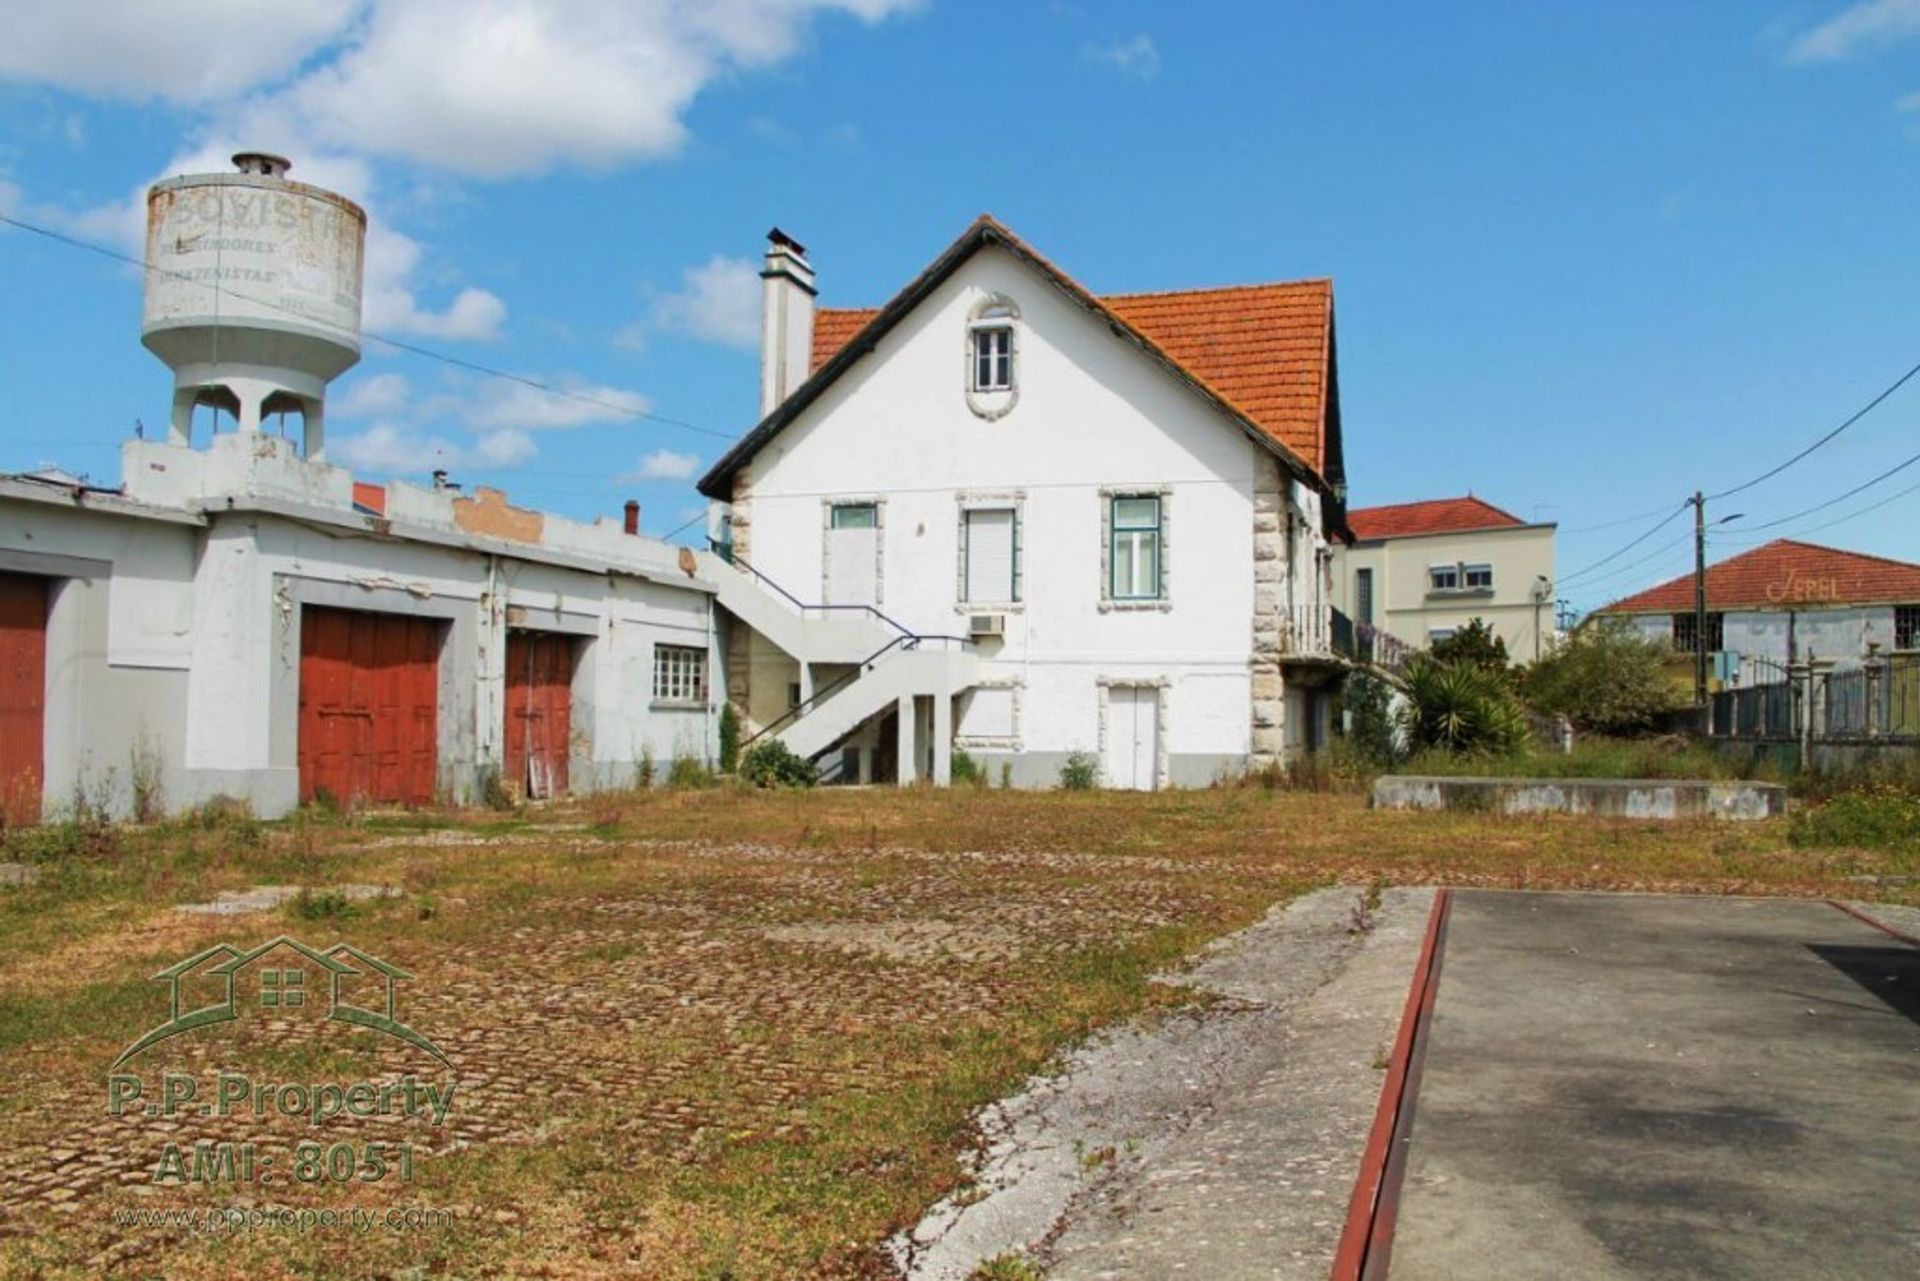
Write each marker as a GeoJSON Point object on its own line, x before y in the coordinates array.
{"type": "Point", "coordinates": [1093, 417]}
{"type": "Point", "coordinates": [174, 628]}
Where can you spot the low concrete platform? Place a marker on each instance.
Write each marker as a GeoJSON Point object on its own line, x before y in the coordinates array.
{"type": "Point", "coordinates": [1648, 798]}
{"type": "Point", "coordinates": [1637, 1086]}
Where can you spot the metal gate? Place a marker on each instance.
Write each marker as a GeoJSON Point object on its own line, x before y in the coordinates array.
{"type": "Point", "coordinates": [369, 706]}
{"type": "Point", "coordinates": [539, 711]}
{"type": "Point", "coordinates": [23, 695]}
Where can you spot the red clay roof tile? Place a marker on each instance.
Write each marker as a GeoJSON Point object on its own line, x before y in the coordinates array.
{"type": "Point", "coordinates": [1431, 516]}
{"type": "Point", "coordinates": [1783, 574]}
{"type": "Point", "coordinates": [1264, 349]}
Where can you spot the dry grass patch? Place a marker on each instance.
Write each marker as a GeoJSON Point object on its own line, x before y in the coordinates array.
{"type": "Point", "coordinates": [697, 1035]}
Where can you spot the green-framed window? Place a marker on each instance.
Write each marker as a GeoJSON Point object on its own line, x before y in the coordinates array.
{"type": "Point", "coordinates": [1135, 547]}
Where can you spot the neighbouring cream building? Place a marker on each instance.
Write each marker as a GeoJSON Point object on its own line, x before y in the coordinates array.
{"type": "Point", "coordinates": [1006, 514]}
{"type": "Point", "coordinates": [242, 618]}
{"type": "Point", "coordinates": [1421, 571]}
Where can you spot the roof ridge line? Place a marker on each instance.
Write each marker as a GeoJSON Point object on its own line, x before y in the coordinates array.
{"type": "Point", "coordinates": [1218, 289]}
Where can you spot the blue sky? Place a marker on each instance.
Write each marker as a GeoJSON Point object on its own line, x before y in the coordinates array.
{"type": "Point", "coordinates": [1587, 257]}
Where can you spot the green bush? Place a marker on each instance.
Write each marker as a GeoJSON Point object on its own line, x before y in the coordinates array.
{"type": "Point", "coordinates": [322, 905]}
{"type": "Point", "coordinates": [689, 772]}
{"type": "Point", "coordinates": [1462, 709]}
{"type": "Point", "coordinates": [1079, 773]}
{"type": "Point", "coordinates": [1474, 645]}
{"type": "Point", "coordinates": [1372, 732]}
{"type": "Point", "coordinates": [1877, 818]}
{"type": "Point", "coordinates": [729, 739]}
{"type": "Point", "coordinates": [1606, 677]}
{"type": "Point", "coordinates": [968, 770]}
{"type": "Point", "coordinates": [771, 763]}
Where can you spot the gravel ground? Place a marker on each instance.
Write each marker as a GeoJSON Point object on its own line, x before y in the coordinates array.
{"type": "Point", "coordinates": [1221, 1144]}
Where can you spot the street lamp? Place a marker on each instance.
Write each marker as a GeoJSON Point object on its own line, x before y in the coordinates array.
{"type": "Point", "coordinates": [1699, 501]}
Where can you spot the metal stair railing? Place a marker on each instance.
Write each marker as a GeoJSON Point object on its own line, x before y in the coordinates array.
{"type": "Point", "coordinates": [908, 641]}
{"type": "Point", "coordinates": [725, 552]}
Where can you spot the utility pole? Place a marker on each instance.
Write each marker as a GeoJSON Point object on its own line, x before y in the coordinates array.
{"type": "Point", "coordinates": [1700, 603]}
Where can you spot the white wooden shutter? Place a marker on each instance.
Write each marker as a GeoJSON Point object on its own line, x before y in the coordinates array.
{"type": "Point", "coordinates": [990, 555]}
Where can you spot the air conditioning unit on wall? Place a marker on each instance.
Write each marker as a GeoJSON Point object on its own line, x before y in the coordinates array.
{"type": "Point", "coordinates": [987, 625]}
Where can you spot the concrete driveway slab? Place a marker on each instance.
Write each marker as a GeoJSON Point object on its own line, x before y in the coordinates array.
{"type": "Point", "coordinates": [1639, 1086]}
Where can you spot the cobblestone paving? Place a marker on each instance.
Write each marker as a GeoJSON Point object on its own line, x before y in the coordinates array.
{"type": "Point", "coordinates": [686, 995]}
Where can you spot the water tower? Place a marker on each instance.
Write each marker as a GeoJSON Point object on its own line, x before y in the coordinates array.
{"type": "Point", "coordinates": [253, 294]}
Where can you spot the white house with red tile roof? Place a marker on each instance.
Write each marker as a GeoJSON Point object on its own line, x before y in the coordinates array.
{"type": "Point", "coordinates": [1788, 601]}
{"type": "Point", "coordinates": [1120, 506]}
{"type": "Point", "coordinates": [1421, 571]}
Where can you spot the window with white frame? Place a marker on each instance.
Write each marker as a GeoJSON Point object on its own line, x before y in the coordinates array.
{"type": "Point", "coordinates": [1462, 576]}
{"type": "Point", "coordinates": [679, 674]}
{"type": "Point", "coordinates": [854, 516]}
{"type": "Point", "coordinates": [990, 547]}
{"type": "Point", "coordinates": [989, 712]}
{"type": "Point", "coordinates": [1906, 626]}
{"type": "Point", "coordinates": [1135, 547]}
{"type": "Point", "coordinates": [993, 357]}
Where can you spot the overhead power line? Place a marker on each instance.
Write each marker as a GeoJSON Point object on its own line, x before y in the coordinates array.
{"type": "Point", "coordinates": [1862, 412]}
{"type": "Point", "coordinates": [398, 344]}
{"type": "Point", "coordinates": [1617, 553]}
{"type": "Point", "coordinates": [1664, 549]}
{"type": "Point", "coordinates": [1890, 472]}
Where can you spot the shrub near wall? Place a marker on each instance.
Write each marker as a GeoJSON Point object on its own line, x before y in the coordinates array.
{"type": "Point", "coordinates": [1874, 818]}
{"type": "Point", "coordinates": [1606, 677]}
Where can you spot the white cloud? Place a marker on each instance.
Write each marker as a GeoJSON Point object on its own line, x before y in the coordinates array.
{"type": "Point", "coordinates": [385, 447]}
{"type": "Point", "coordinates": [183, 51]}
{"type": "Point", "coordinates": [576, 404]}
{"type": "Point", "coordinates": [505, 447]}
{"type": "Point", "coordinates": [394, 449]}
{"type": "Point", "coordinates": [665, 464]}
{"type": "Point", "coordinates": [390, 305]}
{"type": "Point", "coordinates": [491, 88]}
{"type": "Point", "coordinates": [718, 301]}
{"type": "Point", "coordinates": [1869, 24]}
{"type": "Point", "coordinates": [371, 396]}
{"type": "Point", "coordinates": [1909, 103]}
{"type": "Point", "coordinates": [1138, 57]}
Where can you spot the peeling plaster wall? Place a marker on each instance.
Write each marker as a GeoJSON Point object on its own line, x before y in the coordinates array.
{"type": "Point", "coordinates": [181, 642]}
{"type": "Point", "coordinates": [1836, 634]}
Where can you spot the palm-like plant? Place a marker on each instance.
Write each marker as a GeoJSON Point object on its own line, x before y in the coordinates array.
{"type": "Point", "coordinates": [1462, 708]}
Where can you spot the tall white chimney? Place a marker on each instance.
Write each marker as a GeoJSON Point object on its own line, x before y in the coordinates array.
{"type": "Point", "coordinates": [786, 319]}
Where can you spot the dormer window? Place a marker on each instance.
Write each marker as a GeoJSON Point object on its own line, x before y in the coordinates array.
{"type": "Point", "coordinates": [993, 357]}
{"type": "Point", "coordinates": [992, 342]}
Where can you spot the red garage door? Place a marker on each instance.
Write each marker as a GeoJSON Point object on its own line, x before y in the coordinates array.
{"type": "Point", "coordinates": [23, 694]}
{"type": "Point", "coordinates": [369, 700]}
{"type": "Point", "coordinates": [539, 711]}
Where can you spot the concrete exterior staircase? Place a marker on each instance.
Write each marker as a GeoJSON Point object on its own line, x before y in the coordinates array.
{"type": "Point", "coordinates": [901, 672]}
{"type": "Point", "coordinates": [810, 633]}
{"type": "Point", "coordinates": [891, 663]}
